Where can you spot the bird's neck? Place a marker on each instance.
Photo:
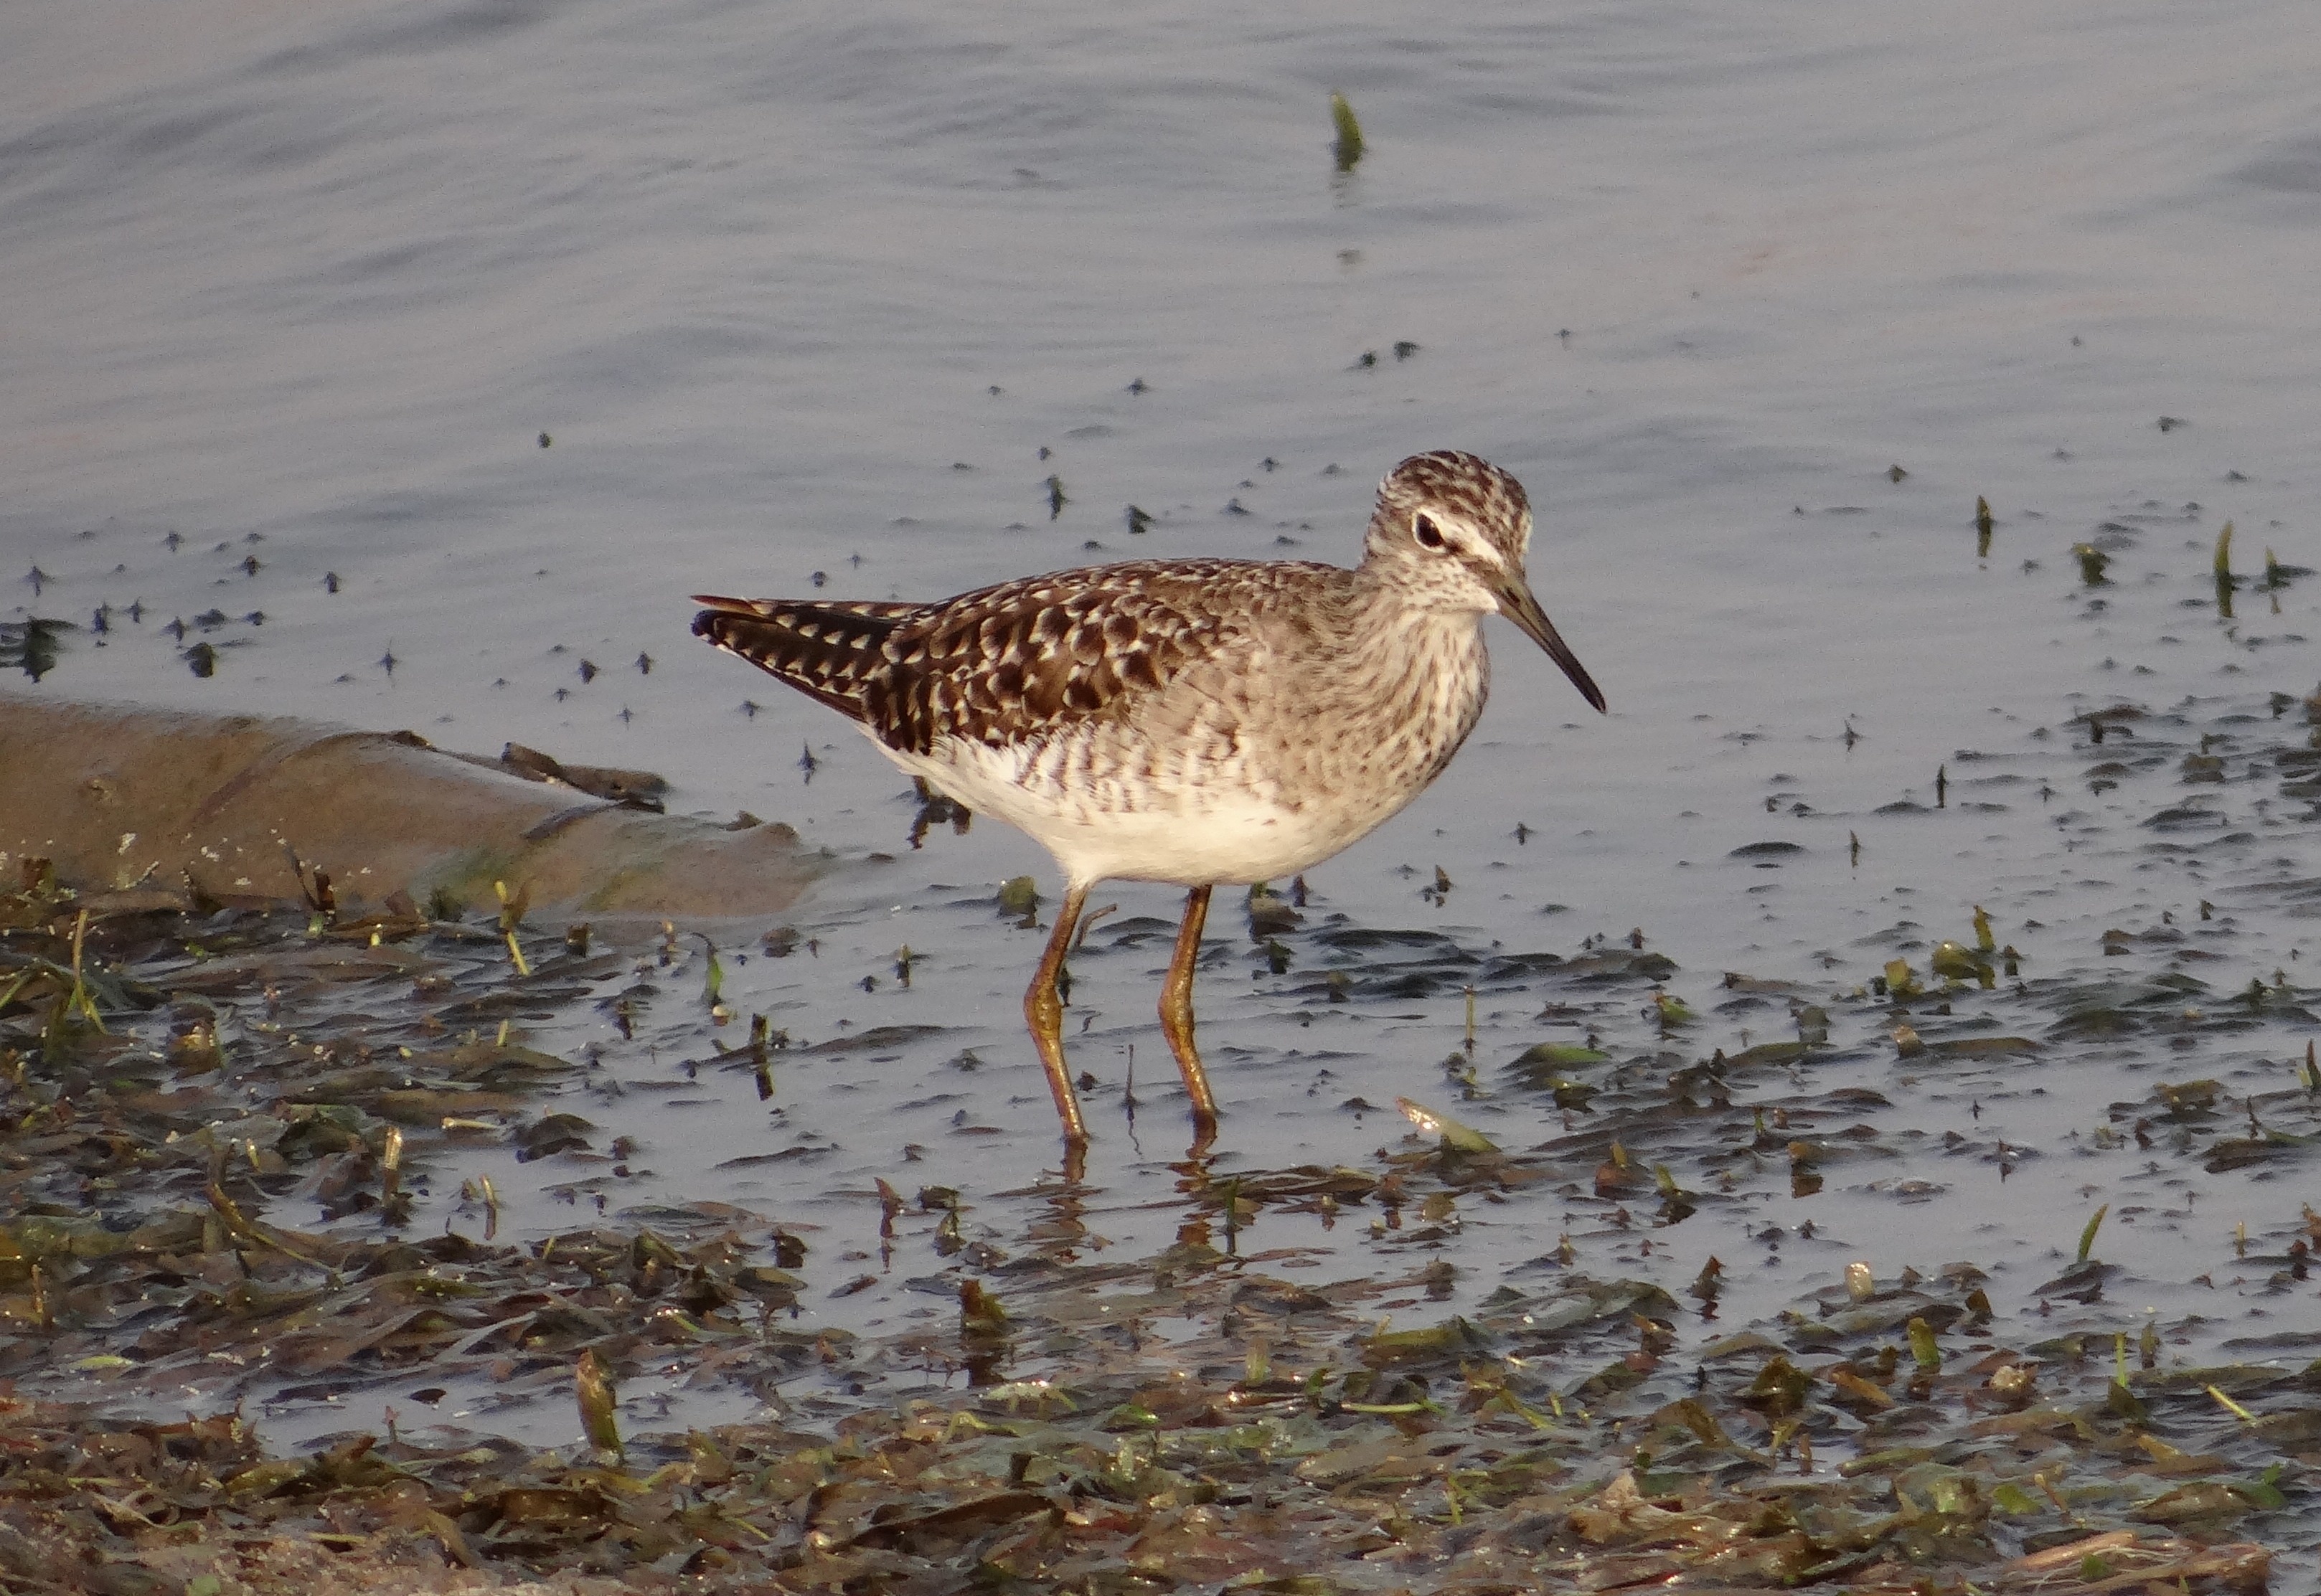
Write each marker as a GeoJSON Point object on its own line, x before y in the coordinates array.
{"type": "Point", "coordinates": [1419, 658]}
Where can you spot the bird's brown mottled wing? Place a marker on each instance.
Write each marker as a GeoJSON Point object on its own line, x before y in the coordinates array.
{"type": "Point", "coordinates": [1003, 664]}
{"type": "Point", "coordinates": [823, 649]}
{"type": "Point", "coordinates": [1017, 660]}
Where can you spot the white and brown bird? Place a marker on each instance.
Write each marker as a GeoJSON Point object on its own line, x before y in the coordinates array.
{"type": "Point", "coordinates": [1184, 721]}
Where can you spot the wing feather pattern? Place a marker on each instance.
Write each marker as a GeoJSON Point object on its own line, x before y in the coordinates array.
{"type": "Point", "coordinates": [824, 650]}
{"type": "Point", "coordinates": [1006, 664]}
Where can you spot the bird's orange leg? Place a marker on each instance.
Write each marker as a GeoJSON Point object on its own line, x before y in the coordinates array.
{"type": "Point", "coordinates": [1176, 1008]}
{"type": "Point", "coordinates": [1043, 1011]}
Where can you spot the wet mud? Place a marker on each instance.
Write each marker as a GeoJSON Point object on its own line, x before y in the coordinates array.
{"type": "Point", "coordinates": [414, 1237]}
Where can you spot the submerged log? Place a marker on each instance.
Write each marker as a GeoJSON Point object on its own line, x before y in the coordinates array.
{"type": "Point", "coordinates": [244, 808]}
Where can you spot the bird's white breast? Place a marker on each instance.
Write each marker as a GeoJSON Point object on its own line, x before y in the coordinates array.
{"type": "Point", "coordinates": [1248, 773]}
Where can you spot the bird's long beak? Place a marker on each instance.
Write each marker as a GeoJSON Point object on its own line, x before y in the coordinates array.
{"type": "Point", "coordinates": [1516, 603]}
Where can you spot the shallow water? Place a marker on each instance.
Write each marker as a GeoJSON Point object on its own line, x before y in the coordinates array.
{"type": "Point", "coordinates": [792, 291]}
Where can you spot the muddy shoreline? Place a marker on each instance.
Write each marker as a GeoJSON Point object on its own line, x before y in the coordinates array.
{"type": "Point", "coordinates": [236, 1137]}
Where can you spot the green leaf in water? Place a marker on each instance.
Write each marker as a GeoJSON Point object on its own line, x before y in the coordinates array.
{"type": "Point", "coordinates": [591, 1383]}
{"type": "Point", "coordinates": [1953, 962]}
{"type": "Point", "coordinates": [1558, 1055]}
{"type": "Point", "coordinates": [2088, 1235]}
{"type": "Point", "coordinates": [2010, 1498]}
{"type": "Point", "coordinates": [1020, 897]}
{"type": "Point", "coordinates": [1457, 1137]}
{"type": "Point", "coordinates": [1923, 1346]}
{"type": "Point", "coordinates": [1454, 1335]}
{"type": "Point", "coordinates": [2264, 1493]}
{"type": "Point", "coordinates": [1348, 147]}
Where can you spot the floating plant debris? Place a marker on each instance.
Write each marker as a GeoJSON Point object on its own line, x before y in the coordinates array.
{"type": "Point", "coordinates": [1347, 149]}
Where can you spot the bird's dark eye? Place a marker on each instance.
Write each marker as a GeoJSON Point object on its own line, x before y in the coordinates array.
{"type": "Point", "coordinates": [1428, 534]}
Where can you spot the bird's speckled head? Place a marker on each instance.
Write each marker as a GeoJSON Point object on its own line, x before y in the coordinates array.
{"type": "Point", "coordinates": [1451, 533]}
{"type": "Point", "coordinates": [1472, 507]}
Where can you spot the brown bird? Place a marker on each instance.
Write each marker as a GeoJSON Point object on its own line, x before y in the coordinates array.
{"type": "Point", "coordinates": [1184, 721]}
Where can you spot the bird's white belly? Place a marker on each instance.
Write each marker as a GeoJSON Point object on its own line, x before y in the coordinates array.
{"type": "Point", "coordinates": [1229, 841]}
{"type": "Point", "coordinates": [1224, 833]}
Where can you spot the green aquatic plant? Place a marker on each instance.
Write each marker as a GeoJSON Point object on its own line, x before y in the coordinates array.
{"type": "Point", "coordinates": [1347, 149]}
{"type": "Point", "coordinates": [513, 905]}
{"type": "Point", "coordinates": [1952, 962]}
{"type": "Point", "coordinates": [1457, 1136]}
{"type": "Point", "coordinates": [1020, 896]}
{"type": "Point", "coordinates": [1673, 1011]}
{"type": "Point", "coordinates": [1923, 1349]}
{"type": "Point", "coordinates": [592, 1386]}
